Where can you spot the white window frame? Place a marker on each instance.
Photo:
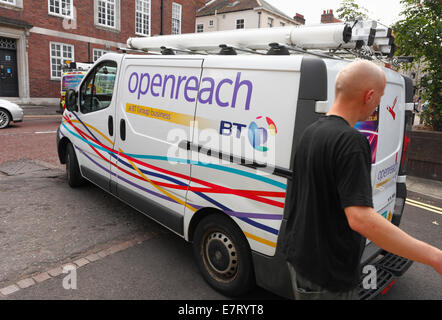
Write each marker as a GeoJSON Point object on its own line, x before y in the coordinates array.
{"type": "Point", "coordinates": [10, 2]}
{"type": "Point", "coordinates": [117, 15]}
{"type": "Point", "coordinates": [98, 53]}
{"type": "Point", "coordinates": [60, 14]}
{"type": "Point", "coordinates": [143, 14]}
{"type": "Point", "coordinates": [61, 57]}
{"type": "Point", "coordinates": [200, 26]}
{"type": "Point", "coordinates": [177, 11]}
{"type": "Point", "coordinates": [238, 23]}
{"type": "Point", "coordinates": [270, 22]}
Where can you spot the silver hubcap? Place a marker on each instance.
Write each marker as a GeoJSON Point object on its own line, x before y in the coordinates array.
{"type": "Point", "coordinates": [221, 256]}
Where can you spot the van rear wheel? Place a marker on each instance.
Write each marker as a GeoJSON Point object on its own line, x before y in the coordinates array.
{"type": "Point", "coordinates": [223, 255]}
{"type": "Point", "coordinates": [72, 168]}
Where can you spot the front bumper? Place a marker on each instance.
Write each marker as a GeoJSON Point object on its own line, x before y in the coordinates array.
{"type": "Point", "coordinates": [17, 115]}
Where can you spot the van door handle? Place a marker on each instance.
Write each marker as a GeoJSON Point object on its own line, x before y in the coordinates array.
{"type": "Point", "coordinates": [110, 125]}
{"type": "Point", "coordinates": [123, 130]}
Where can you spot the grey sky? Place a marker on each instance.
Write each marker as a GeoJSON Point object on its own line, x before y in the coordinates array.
{"type": "Point", "coordinates": [386, 10]}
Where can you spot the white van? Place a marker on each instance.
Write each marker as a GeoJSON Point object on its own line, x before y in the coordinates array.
{"type": "Point", "coordinates": [204, 145]}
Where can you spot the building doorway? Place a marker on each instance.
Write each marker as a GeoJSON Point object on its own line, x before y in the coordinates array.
{"type": "Point", "coordinates": [8, 68]}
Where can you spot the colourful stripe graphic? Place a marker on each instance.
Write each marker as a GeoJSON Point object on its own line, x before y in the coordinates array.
{"type": "Point", "coordinates": [142, 174]}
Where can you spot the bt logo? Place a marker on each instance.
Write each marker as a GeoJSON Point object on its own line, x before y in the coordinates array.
{"type": "Point", "coordinates": [391, 109]}
{"type": "Point", "coordinates": [257, 133]}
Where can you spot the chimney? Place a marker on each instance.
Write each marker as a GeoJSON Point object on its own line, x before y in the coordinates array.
{"type": "Point", "coordinates": [299, 18]}
{"type": "Point", "coordinates": [200, 3]}
{"type": "Point", "coordinates": [328, 17]}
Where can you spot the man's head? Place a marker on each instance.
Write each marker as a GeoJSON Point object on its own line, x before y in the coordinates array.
{"type": "Point", "coordinates": [359, 87]}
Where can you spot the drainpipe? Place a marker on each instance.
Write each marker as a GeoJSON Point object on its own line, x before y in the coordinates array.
{"type": "Point", "coordinates": [162, 22]}
{"type": "Point", "coordinates": [259, 19]}
{"type": "Point", "coordinates": [89, 52]}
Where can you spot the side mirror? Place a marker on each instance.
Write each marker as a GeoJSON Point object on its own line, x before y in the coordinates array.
{"type": "Point", "coordinates": [71, 100]}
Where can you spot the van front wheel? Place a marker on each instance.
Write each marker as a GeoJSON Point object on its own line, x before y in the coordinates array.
{"type": "Point", "coordinates": [223, 255]}
{"type": "Point", "coordinates": [72, 168]}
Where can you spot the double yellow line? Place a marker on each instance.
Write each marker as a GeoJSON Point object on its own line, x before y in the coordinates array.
{"type": "Point", "coordinates": [424, 206]}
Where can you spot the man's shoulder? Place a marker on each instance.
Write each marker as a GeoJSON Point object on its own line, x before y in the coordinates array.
{"type": "Point", "coordinates": [335, 128]}
{"type": "Point", "coordinates": [335, 131]}
{"type": "Point", "coordinates": [351, 141]}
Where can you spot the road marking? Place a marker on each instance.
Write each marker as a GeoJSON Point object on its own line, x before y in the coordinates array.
{"type": "Point", "coordinates": [44, 132]}
{"type": "Point", "coordinates": [42, 116]}
{"type": "Point", "coordinates": [424, 206]}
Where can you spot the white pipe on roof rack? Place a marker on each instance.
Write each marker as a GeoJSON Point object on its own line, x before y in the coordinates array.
{"type": "Point", "coordinates": [308, 37]}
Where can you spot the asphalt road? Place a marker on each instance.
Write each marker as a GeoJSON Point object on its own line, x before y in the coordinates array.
{"type": "Point", "coordinates": [34, 138]}
{"type": "Point", "coordinates": [44, 225]}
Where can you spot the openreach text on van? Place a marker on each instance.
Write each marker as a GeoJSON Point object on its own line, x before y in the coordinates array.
{"type": "Point", "coordinates": [176, 85]}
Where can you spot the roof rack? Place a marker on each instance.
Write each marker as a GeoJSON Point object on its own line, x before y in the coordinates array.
{"type": "Point", "coordinates": [336, 40]}
{"type": "Point", "coordinates": [252, 39]}
{"type": "Point", "coordinates": [125, 50]}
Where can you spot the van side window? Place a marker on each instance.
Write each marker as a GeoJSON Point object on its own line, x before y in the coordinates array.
{"type": "Point", "coordinates": [96, 91]}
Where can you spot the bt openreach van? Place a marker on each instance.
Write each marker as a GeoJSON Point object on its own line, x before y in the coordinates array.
{"type": "Point", "coordinates": [204, 144]}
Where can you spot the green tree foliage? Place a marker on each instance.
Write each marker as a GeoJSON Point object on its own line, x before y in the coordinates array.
{"type": "Point", "coordinates": [350, 11]}
{"type": "Point", "coordinates": [419, 34]}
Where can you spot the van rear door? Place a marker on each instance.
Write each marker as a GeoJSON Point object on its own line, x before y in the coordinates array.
{"type": "Point", "coordinates": [384, 130]}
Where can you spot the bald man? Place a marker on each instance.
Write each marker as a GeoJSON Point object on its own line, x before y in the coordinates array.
{"type": "Point", "coordinates": [333, 207]}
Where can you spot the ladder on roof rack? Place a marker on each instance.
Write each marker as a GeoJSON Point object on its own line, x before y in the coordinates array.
{"type": "Point", "coordinates": [335, 38]}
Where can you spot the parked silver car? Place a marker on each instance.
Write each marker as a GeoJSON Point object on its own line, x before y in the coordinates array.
{"type": "Point", "coordinates": [9, 111]}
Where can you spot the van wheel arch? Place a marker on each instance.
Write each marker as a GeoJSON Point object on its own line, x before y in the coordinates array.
{"type": "Point", "coordinates": [200, 215]}
{"type": "Point", "coordinates": [62, 148]}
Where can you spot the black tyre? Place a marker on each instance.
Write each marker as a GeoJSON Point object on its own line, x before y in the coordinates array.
{"type": "Point", "coordinates": [72, 169]}
{"type": "Point", "coordinates": [5, 118]}
{"type": "Point", "coordinates": [223, 255]}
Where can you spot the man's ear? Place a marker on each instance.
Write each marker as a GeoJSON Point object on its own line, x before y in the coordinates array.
{"type": "Point", "coordinates": [368, 96]}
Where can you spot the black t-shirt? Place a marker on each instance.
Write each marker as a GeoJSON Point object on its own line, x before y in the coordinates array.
{"type": "Point", "coordinates": [331, 172]}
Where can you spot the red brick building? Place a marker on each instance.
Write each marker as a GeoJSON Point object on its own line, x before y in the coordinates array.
{"type": "Point", "coordinates": [37, 35]}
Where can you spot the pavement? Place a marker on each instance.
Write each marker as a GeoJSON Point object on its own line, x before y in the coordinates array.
{"type": "Point", "coordinates": [427, 187]}
{"type": "Point", "coordinates": [37, 110]}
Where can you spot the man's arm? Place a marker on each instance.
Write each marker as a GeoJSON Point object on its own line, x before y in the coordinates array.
{"type": "Point", "coordinates": [387, 236]}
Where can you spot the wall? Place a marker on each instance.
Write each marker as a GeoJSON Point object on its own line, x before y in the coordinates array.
{"type": "Point", "coordinates": [227, 21]}
{"type": "Point", "coordinates": [425, 155]}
